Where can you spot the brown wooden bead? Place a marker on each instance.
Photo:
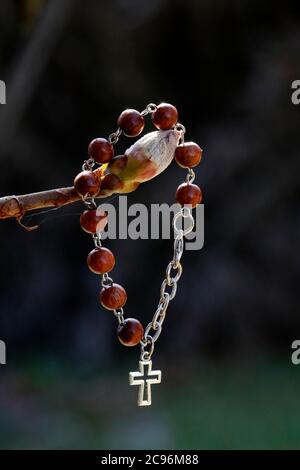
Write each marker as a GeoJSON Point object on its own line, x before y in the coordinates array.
{"type": "Point", "coordinates": [131, 122]}
{"type": "Point", "coordinates": [101, 260]}
{"type": "Point", "coordinates": [131, 332]}
{"type": "Point", "coordinates": [188, 155]}
{"type": "Point", "coordinates": [113, 297]}
{"type": "Point", "coordinates": [93, 221]}
{"type": "Point", "coordinates": [188, 194]}
{"type": "Point", "coordinates": [101, 150]}
{"type": "Point", "coordinates": [87, 183]}
{"type": "Point", "coordinates": [165, 116]}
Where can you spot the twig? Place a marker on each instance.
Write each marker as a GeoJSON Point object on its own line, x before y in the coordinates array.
{"type": "Point", "coordinates": [17, 206]}
{"type": "Point", "coordinates": [147, 158]}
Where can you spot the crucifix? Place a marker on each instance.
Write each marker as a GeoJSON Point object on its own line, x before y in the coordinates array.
{"type": "Point", "coordinates": [142, 378]}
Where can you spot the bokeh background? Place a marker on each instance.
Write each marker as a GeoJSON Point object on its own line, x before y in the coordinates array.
{"type": "Point", "coordinates": [228, 381]}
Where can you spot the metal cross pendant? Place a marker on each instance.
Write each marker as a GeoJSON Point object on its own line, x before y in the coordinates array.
{"type": "Point", "coordinates": [143, 378]}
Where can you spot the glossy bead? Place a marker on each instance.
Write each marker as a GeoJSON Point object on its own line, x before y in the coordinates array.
{"type": "Point", "coordinates": [165, 117]}
{"type": "Point", "coordinates": [87, 183]}
{"type": "Point", "coordinates": [131, 122]}
{"type": "Point", "coordinates": [113, 297]}
{"type": "Point", "coordinates": [131, 332]}
{"type": "Point", "coordinates": [93, 221]}
{"type": "Point", "coordinates": [100, 260]}
{"type": "Point", "coordinates": [101, 150]}
{"type": "Point", "coordinates": [188, 194]}
{"type": "Point", "coordinates": [188, 155]}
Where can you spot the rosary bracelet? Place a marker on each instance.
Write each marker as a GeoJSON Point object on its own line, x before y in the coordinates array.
{"type": "Point", "coordinates": [138, 165]}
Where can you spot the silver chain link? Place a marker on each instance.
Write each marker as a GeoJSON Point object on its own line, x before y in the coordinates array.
{"type": "Point", "coordinates": [90, 203]}
{"type": "Point", "coordinates": [169, 283]}
{"type": "Point", "coordinates": [97, 239]}
{"type": "Point", "coordinates": [150, 109]}
{"type": "Point", "coordinates": [106, 280]}
{"type": "Point", "coordinates": [190, 177]}
{"type": "Point", "coordinates": [178, 250]}
{"type": "Point", "coordinates": [119, 314]}
{"type": "Point", "coordinates": [184, 215]}
{"type": "Point", "coordinates": [88, 164]}
{"type": "Point", "coordinates": [180, 128]}
{"type": "Point", "coordinates": [114, 136]}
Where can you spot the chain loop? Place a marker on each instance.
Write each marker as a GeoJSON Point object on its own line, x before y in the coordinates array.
{"type": "Point", "coordinates": [171, 280]}
{"type": "Point", "coordinates": [157, 331]}
{"type": "Point", "coordinates": [164, 286]}
{"type": "Point", "coordinates": [90, 203]}
{"type": "Point", "coordinates": [161, 311]}
{"type": "Point", "coordinates": [88, 164]}
{"type": "Point", "coordinates": [106, 281]}
{"type": "Point", "coordinates": [146, 355]}
{"type": "Point", "coordinates": [114, 136]}
{"type": "Point", "coordinates": [178, 250]}
{"type": "Point", "coordinates": [184, 213]}
{"type": "Point", "coordinates": [190, 177]}
{"type": "Point", "coordinates": [119, 314]}
{"type": "Point", "coordinates": [150, 108]}
{"type": "Point", "coordinates": [180, 128]}
{"type": "Point", "coordinates": [97, 240]}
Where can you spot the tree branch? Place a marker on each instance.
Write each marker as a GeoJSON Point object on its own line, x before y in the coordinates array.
{"type": "Point", "coordinates": [144, 160]}
{"type": "Point", "coordinates": [17, 206]}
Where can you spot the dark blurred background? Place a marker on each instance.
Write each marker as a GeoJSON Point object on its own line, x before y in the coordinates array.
{"type": "Point", "coordinates": [228, 382]}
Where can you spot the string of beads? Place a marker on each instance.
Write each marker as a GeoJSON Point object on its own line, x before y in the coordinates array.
{"type": "Point", "coordinates": [101, 260]}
